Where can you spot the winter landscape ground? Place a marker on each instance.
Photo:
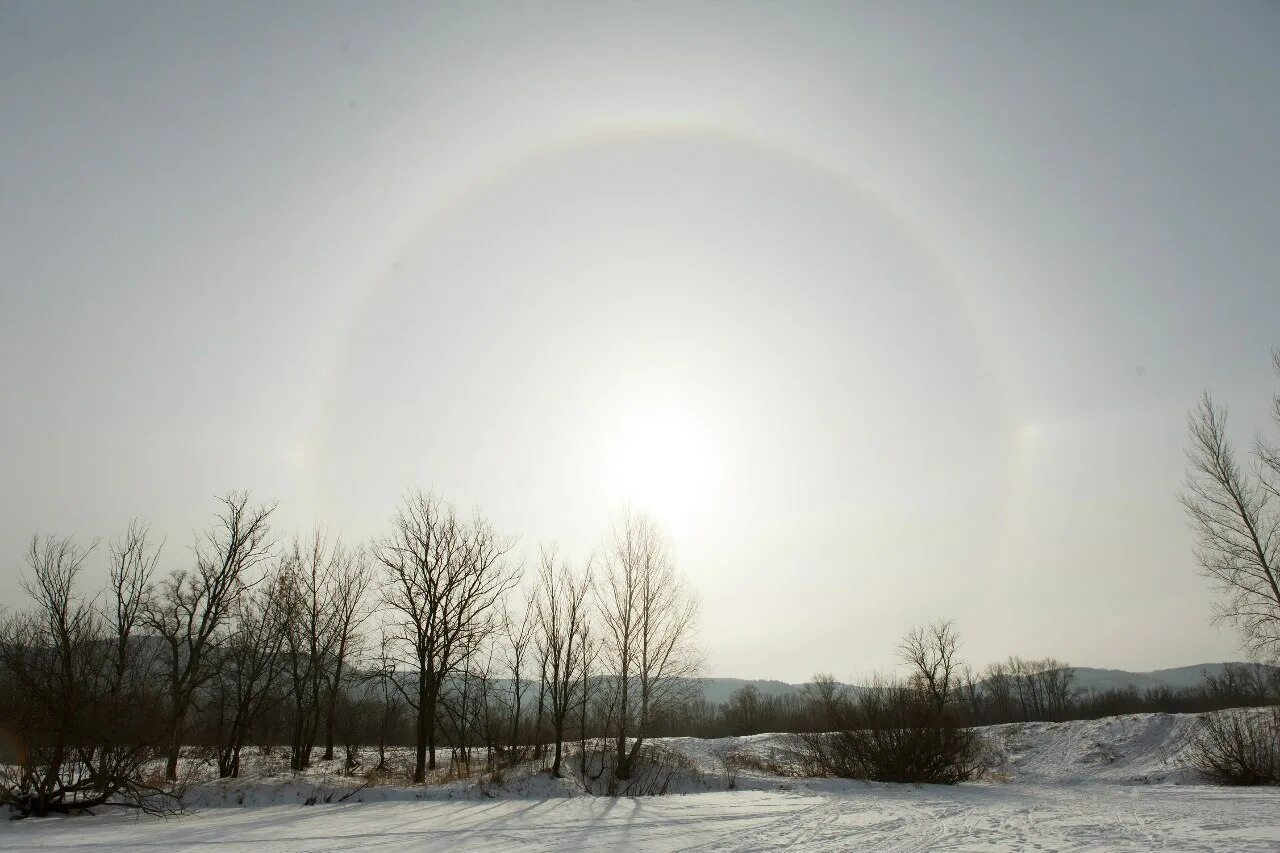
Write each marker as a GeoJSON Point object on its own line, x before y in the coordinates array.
{"type": "Point", "coordinates": [1119, 783]}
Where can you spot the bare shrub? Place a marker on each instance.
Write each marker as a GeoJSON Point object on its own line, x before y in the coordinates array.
{"type": "Point", "coordinates": [776, 763]}
{"type": "Point", "coordinates": [894, 732]}
{"type": "Point", "coordinates": [730, 764]}
{"type": "Point", "coordinates": [653, 768]}
{"type": "Point", "coordinates": [1238, 747]}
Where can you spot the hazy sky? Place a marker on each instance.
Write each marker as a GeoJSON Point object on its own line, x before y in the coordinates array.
{"type": "Point", "coordinates": [887, 311]}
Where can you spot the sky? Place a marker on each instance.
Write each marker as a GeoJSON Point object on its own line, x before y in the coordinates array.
{"type": "Point", "coordinates": [886, 312]}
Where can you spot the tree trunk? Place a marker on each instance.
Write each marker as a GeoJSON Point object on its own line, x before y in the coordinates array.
{"type": "Point", "coordinates": [620, 768]}
{"type": "Point", "coordinates": [420, 758]}
{"type": "Point", "coordinates": [171, 765]}
{"type": "Point", "coordinates": [329, 728]}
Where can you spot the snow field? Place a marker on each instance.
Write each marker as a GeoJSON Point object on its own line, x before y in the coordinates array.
{"type": "Point", "coordinates": [1112, 784]}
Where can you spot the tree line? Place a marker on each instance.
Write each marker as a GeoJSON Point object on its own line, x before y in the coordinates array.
{"type": "Point", "coordinates": [1013, 691]}
{"type": "Point", "coordinates": [432, 634]}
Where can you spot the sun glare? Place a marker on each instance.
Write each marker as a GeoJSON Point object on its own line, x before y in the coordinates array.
{"type": "Point", "coordinates": [665, 463]}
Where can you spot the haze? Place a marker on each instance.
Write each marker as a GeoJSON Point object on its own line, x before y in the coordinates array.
{"type": "Point", "coordinates": [886, 312]}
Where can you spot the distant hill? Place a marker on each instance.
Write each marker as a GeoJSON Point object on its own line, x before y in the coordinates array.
{"type": "Point", "coordinates": [717, 690]}
{"type": "Point", "coordinates": [1177, 678]}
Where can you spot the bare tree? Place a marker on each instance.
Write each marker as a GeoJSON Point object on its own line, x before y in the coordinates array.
{"type": "Point", "coordinates": [305, 636]}
{"type": "Point", "coordinates": [133, 562]}
{"type": "Point", "coordinates": [590, 653]}
{"type": "Point", "coordinates": [443, 578]}
{"type": "Point", "coordinates": [458, 701]}
{"type": "Point", "coordinates": [648, 619]}
{"type": "Point", "coordinates": [348, 584]}
{"type": "Point", "coordinates": [997, 691]}
{"type": "Point", "coordinates": [190, 608]}
{"type": "Point", "coordinates": [1057, 679]}
{"type": "Point", "coordinates": [827, 701]}
{"type": "Point", "coordinates": [44, 657]}
{"type": "Point", "coordinates": [249, 668]}
{"type": "Point", "coordinates": [73, 692]}
{"type": "Point", "coordinates": [488, 708]}
{"type": "Point", "coordinates": [930, 651]}
{"type": "Point", "coordinates": [1236, 518]}
{"type": "Point", "coordinates": [324, 585]}
{"type": "Point", "coordinates": [517, 632]}
{"type": "Point", "coordinates": [744, 711]}
{"type": "Point", "coordinates": [390, 701]}
{"type": "Point", "coordinates": [540, 715]}
{"type": "Point", "coordinates": [1043, 688]}
{"type": "Point", "coordinates": [561, 613]}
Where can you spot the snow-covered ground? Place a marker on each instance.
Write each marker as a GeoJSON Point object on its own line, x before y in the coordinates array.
{"type": "Point", "coordinates": [1113, 784]}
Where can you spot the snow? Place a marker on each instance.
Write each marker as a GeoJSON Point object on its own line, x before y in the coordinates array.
{"type": "Point", "coordinates": [1112, 784]}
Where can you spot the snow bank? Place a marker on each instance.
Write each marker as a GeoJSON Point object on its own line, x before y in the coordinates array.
{"type": "Point", "coordinates": [1135, 749]}
{"type": "Point", "coordinates": [1129, 749]}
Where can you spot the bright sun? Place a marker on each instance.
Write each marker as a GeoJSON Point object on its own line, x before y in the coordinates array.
{"type": "Point", "coordinates": [666, 462]}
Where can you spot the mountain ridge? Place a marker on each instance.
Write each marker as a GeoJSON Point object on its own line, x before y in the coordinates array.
{"type": "Point", "coordinates": [1091, 679]}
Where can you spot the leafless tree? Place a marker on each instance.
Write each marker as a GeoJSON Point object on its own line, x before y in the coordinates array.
{"type": "Point", "coordinates": [133, 563]}
{"type": "Point", "coordinates": [390, 701]}
{"type": "Point", "coordinates": [1233, 509]}
{"type": "Point", "coordinates": [540, 715]}
{"type": "Point", "coordinates": [323, 582]}
{"type": "Point", "coordinates": [248, 668]}
{"type": "Point", "coordinates": [1043, 688]}
{"type": "Point", "coordinates": [305, 639]}
{"type": "Point", "coordinates": [561, 612]}
{"type": "Point", "coordinates": [589, 645]}
{"type": "Point", "coordinates": [517, 634]}
{"type": "Point", "coordinates": [44, 657]}
{"type": "Point", "coordinates": [827, 701]}
{"type": "Point", "coordinates": [443, 578]}
{"type": "Point", "coordinates": [190, 608]}
{"type": "Point", "coordinates": [1057, 680]}
{"type": "Point", "coordinates": [648, 620]}
{"type": "Point", "coordinates": [744, 710]}
{"type": "Point", "coordinates": [998, 691]}
{"type": "Point", "coordinates": [969, 691]}
{"type": "Point", "coordinates": [1244, 684]}
{"type": "Point", "coordinates": [458, 702]}
{"type": "Point", "coordinates": [489, 709]}
{"type": "Point", "coordinates": [74, 693]}
{"type": "Point", "coordinates": [348, 583]}
{"type": "Point", "coordinates": [930, 651]}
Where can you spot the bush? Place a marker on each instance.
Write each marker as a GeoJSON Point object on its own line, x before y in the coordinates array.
{"type": "Point", "coordinates": [1238, 747]}
{"type": "Point", "coordinates": [776, 763]}
{"type": "Point", "coordinates": [892, 733]}
{"type": "Point", "coordinates": [653, 771]}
